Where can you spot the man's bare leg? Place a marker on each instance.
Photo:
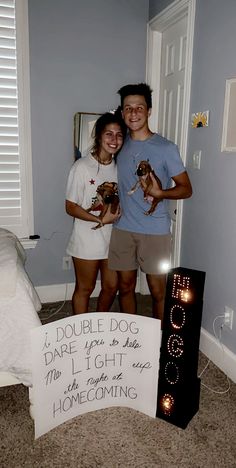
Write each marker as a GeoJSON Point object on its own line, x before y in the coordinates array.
{"type": "Point", "coordinates": [157, 286]}
{"type": "Point", "coordinates": [127, 298]}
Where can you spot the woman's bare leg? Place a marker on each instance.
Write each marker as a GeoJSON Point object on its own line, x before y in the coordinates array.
{"type": "Point", "coordinates": [86, 274]}
{"type": "Point", "coordinates": [109, 287]}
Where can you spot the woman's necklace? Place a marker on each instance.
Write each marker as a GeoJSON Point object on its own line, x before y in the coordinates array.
{"type": "Point", "coordinates": [104, 163]}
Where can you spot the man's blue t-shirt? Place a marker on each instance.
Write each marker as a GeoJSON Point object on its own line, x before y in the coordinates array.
{"type": "Point", "coordinates": [164, 158]}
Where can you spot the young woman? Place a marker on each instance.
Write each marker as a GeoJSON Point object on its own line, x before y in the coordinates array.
{"type": "Point", "coordinates": [89, 247]}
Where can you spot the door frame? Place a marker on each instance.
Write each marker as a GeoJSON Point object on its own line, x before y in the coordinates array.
{"type": "Point", "coordinates": [170, 15]}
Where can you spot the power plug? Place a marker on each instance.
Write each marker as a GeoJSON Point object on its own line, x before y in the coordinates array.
{"type": "Point", "coordinates": [228, 319]}
{"type": "Point", "coordinates": [66, 263]}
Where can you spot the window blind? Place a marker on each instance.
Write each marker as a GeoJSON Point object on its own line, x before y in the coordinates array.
{"type": "Point", "coordinates": [13, 153]}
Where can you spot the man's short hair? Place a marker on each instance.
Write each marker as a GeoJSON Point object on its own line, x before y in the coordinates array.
{"type": "Point", "coordinates": [140, 89]}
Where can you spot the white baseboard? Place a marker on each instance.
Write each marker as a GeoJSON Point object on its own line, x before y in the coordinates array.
{"type": "Point", "coordinates": [219, 354]}
{"type": "Point", "coordinates": [61, 292]}
{"type": "Point", "coordinates": [7, 379]}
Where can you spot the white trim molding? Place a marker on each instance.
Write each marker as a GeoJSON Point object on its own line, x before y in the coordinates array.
{"type": "Point", "coordinates": [228, 135]}
{"type": "Point", "coordinates": [219, 354]}
{"type": "Point", "coordinates": [7, 379]}
{"type": "Point", "coordinates": [28, 243]}
{"type": "Point", "coordinates": [61, 292]}
{"type": "Point", "coordinates": [173, 13]}
{"type": "Point", "coordinates": [24, 111]}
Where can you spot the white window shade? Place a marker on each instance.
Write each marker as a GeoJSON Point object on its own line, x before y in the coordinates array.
{"type": "Point", "coordinates": [15, 144]}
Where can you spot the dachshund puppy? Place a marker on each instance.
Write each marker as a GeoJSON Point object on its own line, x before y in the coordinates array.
{"type": "Point", "coordinates": [107, 194]}
{"type": "Point", "coordinates": [143, 172]}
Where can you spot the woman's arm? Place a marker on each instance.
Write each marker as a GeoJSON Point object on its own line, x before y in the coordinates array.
{"type": "Point", "coordinates": [76, 211]}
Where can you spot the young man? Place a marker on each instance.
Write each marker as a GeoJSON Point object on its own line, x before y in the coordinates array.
{"type": "Point", "coordinates": [140, 240]}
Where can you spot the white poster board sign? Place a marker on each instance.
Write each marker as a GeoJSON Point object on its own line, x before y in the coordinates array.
{"type": "Point", "coordinates": [92, 361]}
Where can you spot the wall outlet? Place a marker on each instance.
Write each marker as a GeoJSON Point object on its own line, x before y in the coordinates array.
{"type": "Point", "coordinates": [66, 263]}
{"type": "Point", "coordinates": [197, 159]}
{"type": "Point", "coordinates": [228, 321]}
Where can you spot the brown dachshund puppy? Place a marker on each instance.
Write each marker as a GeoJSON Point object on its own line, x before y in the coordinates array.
{"type": "Point", "coordinates": [143, 173]}
{"type": "Point", "coordinates": [107, 194]}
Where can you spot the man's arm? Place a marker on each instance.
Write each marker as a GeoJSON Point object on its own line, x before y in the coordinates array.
{"type": "Point", "coordinates": [182, 188]}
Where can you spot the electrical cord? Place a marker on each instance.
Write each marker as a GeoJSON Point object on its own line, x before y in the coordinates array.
{"type": "Point", "coordinates": [55, 312]}
{"type": "Point", "coordinates": [51, 236]}
{"type": "Point", "coordinates": [218, 337]}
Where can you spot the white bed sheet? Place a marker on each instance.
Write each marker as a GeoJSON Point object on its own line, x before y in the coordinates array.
{"type": "Point", "coordinates": [19, 304]}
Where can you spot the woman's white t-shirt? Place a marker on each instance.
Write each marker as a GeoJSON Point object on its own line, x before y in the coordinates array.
{"type": "Point", "coordinates": [84, 177]}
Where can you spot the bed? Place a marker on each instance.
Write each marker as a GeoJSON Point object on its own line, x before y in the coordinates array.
{"type": "Point", "coordinates": [19, 304]}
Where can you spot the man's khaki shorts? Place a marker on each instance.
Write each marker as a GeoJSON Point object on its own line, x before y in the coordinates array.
{"type": "Point", "coordinates": [129, 250]}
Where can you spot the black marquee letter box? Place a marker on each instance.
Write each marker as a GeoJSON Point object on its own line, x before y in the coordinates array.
{"type": "Point", "coordinates": [179, 386]}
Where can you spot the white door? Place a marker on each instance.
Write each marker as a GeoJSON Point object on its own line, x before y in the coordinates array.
{"type": "Point", "coordinates": [172, 74]}
{"type": "Point", "coordinates": [173, 59]}
{"type": "Point", "coordinates": [169, 63]}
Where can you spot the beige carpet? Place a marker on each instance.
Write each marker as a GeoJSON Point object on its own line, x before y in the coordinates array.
{"type": "Point", "coordinates": [121, 437]}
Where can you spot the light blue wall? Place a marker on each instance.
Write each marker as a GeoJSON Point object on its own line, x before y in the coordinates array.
{"type": "Point", "coordinates": [156, 6]}
{"type": "Point", "coordinates": [209, 227]}
{"type": "Point", "coordinates": [209, 221]}
{"type": "Point", "coordinates": [81, 52]}
{"type": "Point", "coordinates": [80, 55]}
